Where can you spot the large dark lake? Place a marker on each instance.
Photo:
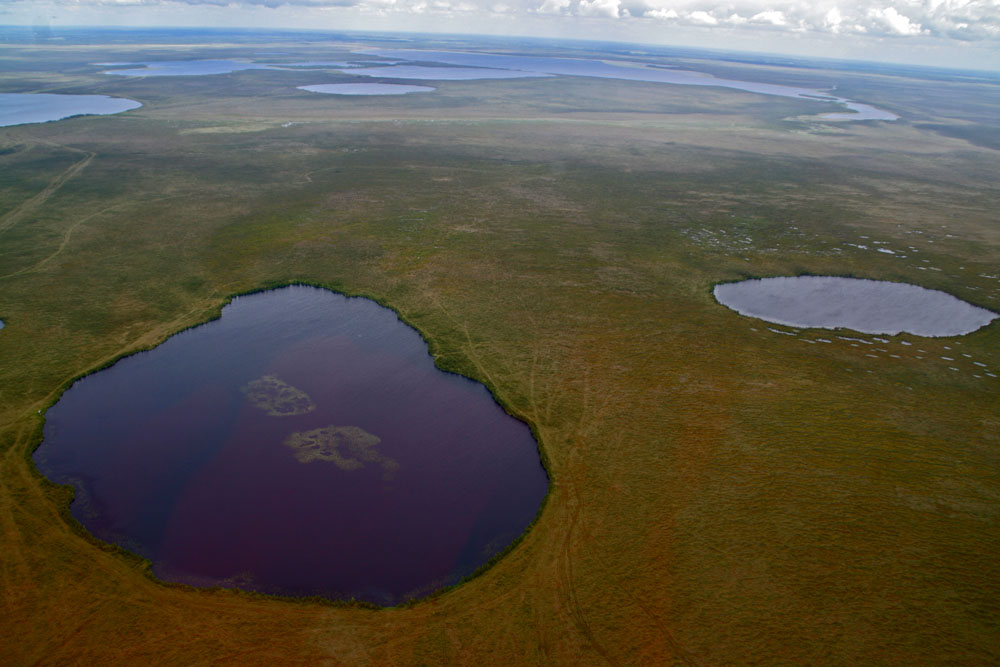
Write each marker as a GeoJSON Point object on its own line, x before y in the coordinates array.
{"type": "Point", "coordinates": [303, 444]}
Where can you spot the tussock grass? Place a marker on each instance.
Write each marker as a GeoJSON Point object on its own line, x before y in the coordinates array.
{"type": "Point", "coordinates": [719, 493]}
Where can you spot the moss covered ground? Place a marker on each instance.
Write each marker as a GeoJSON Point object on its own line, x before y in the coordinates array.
{"type": "Point", "coordinates": [720, 492]}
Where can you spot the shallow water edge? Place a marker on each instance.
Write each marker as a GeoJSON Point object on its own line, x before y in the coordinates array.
{"type": "Point", "coordinates": [67, 492]}
{"type": "Point", "coordinates": [863, 305]}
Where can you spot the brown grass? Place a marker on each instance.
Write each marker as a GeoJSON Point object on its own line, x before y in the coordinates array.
{"type": "Point", "coordinates": [720, 493]}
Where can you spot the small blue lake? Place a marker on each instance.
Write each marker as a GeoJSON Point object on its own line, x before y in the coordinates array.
{"type": "Point", "coordinates": [303, 444]}
{"type": "Point", "coordinates": [24, 108]}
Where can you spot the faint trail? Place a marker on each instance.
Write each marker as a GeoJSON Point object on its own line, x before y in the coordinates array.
{"type": "Point", "coordinates": [11, 218]}
{"type": "Point", "coordinates": [599, 409]}
{"type": "Point", "coordinates": [576, 610]}
{"type": "Point", "coordinates": [69, 234]}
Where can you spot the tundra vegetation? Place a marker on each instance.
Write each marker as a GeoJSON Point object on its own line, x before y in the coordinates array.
{"type": "Point", "coordinates": [278, 398]}
{"type": "Point", "coordinates": [722, 490]}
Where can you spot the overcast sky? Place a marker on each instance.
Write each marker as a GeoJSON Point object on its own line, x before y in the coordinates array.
{"type": "Point", "coordinates": [955, 33]}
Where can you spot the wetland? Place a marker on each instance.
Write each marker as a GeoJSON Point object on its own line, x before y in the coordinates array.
{"type": "Point", "coordinates": [303, 444]}
{"type": "Point", "coordinates": [722, 490]}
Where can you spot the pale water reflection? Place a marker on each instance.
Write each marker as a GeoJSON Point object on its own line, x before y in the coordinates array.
{"type": "Point", "coordinates": [631, 72]}
{"type": "Point", "coordinates": [184, 67]}
{"type": "Point", "coordinates": [868, 306]}
{"type": "Point", "coordinates": [365, 89]}
{"type": "Point", "coordinates": [24, 108]}
{"type": "Point", "coordinates": [443, 73]}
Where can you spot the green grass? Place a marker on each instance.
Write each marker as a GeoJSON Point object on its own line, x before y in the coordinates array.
{"type": "Point", "coordinates": [720, 493]}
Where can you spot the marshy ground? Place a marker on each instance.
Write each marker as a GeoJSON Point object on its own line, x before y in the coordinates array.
{"type": "Point", "coordinates": [722, 490]}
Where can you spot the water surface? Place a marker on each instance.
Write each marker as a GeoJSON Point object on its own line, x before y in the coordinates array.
{"type": "Point", "coordinates": [302, 444]}
{"type": "Point", "coordinates": [443, 73]}
{"type": "Point", "coordinates": [631, 72]}
{"type": "Point", "coordinates": [23, 108]}
{"type": "Point", "coordinates": [365, 89]}
{"type": "Point", "coordinates": [184, 67]}
{"type": "Point", "coordinates": [868, 306]}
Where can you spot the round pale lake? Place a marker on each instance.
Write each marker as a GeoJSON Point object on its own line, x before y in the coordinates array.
{"type": "Point", "coordinates": [302, 444]}
{"type": "Point", "coordinates": [868, 306]}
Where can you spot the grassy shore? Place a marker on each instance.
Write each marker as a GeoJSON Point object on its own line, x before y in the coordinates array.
{"type": "Point", "coordinates": [721, 492]}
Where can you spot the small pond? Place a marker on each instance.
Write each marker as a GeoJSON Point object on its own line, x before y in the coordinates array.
{"type": "Point", "coordinates": [868, 306]}
{"type": "Point", "coordinates": [365, 89]}
{"type": "Point", "coordinates": [303, 444]}
{"type": "Point", "coordinates": [24, 108]}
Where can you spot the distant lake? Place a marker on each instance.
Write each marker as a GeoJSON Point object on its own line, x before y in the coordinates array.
{"type": "Point", "coordinates": [24, 108]}
{"type": "Point", "coordinates": [209, 67]}
{"type": "Point", "coordinates": [443, 73]}
{"type": "Point", "coordinates": [631, 72]}
{"type": "Point", "coordinates": [868, 306]}
{"type": "Point", "coordinates": [365, 89]}
{"type": "Point", "coordinates": [302, 444]}
{"type": "Point", "coordinates": [183, 67]}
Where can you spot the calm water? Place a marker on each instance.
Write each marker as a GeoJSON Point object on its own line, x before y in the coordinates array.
{"type": "Point", "coordinates": [365, 89]}
{"type": "Point", "coordinates": [444, 73]}
{"type": "Point", "coordinates": [302, 444]}
{"type": "Point", "coordinates": [183, 67]}
{"type": "Point", "coordinates": [629, 72]}
{"type": "Point", "coordinates": [23, 108]}
{"type": "Point", "coordinates": [868, 306]}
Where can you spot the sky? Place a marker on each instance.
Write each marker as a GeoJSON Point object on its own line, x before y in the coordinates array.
{"type": "Point", "coordinates": [947, 33]}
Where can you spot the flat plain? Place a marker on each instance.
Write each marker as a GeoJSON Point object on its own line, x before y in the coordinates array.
{"type": "Point", "coordinates": [722, 490]}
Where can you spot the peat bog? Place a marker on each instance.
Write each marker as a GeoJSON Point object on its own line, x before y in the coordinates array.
{"type": "Point", "coordinates": [303, 444]}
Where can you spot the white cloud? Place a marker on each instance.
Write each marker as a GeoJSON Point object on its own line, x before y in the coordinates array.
{"type": "Point", "coordinates": [772, 17]}
{"type": "Point", "coordinates": [605, 8]}
{"type": "Point", "coordinates": [752, 23]}
{"type": "Point", "coordinates": [554, 7]}
{"type": "Point", "coordinates": [702, 17]}
{"type": "Point", "coordinates": [895, 21]}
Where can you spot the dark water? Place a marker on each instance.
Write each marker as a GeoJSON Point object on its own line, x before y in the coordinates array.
{"type": "Point", "coordinates": [202, 454]}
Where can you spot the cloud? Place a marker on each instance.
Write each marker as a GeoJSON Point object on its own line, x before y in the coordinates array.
{"type": "Point", "coordinates": [896, 22]}
{"type": "Point", "coordinates": [606, 8]}
{"type": "Point", "coordinates": [968, 20]}
{"type": "Point", "coordinates": [771, 17]}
